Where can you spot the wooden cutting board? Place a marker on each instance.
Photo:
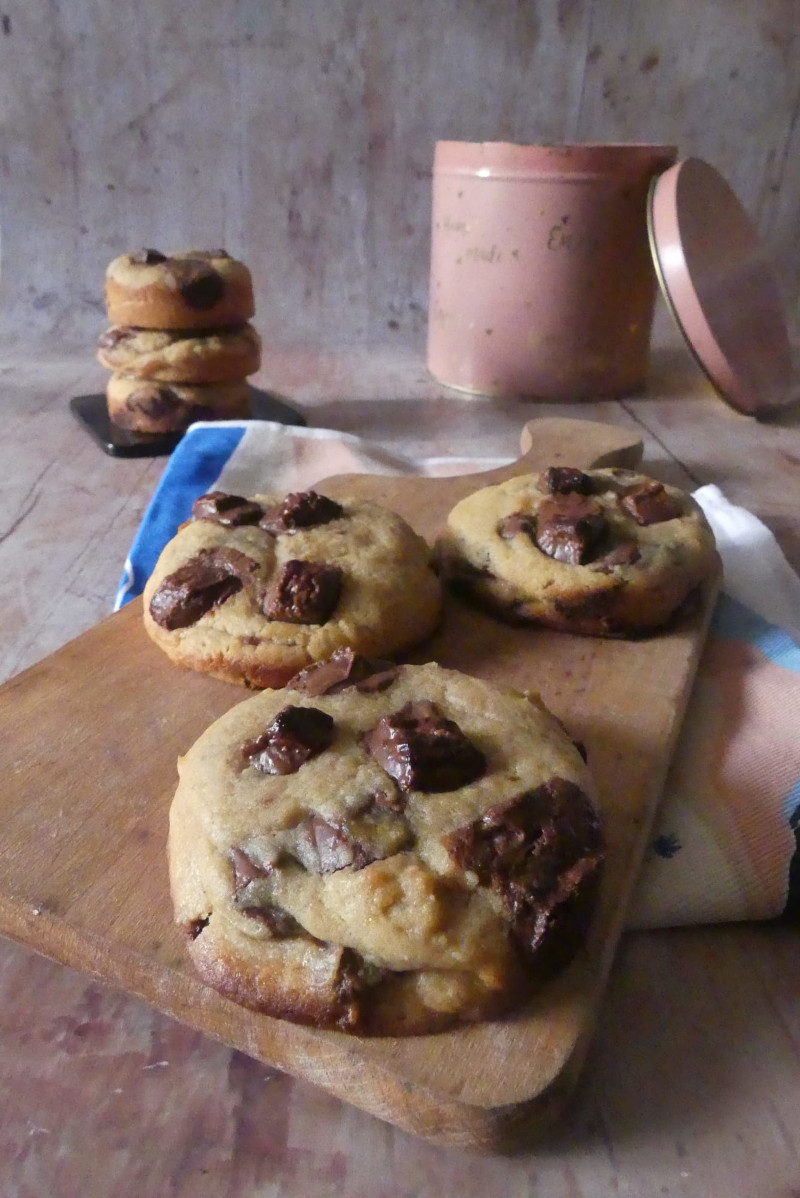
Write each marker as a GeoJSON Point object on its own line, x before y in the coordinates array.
{"type": "Point", "coordinates": [90, 740]}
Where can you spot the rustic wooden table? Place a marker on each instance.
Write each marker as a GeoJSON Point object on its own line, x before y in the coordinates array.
{"type": "Point", "coordinates": [692, 1082]}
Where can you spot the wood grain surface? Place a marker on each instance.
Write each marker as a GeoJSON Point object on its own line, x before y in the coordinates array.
{"type": "Point", "coordinates": [105, 718]}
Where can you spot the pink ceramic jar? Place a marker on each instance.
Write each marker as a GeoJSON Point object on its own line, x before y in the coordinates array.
{"type": "Point", "coordinates": [542, 283]}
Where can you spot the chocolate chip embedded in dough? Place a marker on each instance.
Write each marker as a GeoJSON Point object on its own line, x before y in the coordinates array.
{"type": "Point", "coordinates": [627, 553]}
{"type": "Point", "coordinates": [281, 924]}
{"type": "Point", "coordinates": [303, 593]}
{"type": "Point", "coordinates": [515, 524]}
{"type": "Point", "coordinates": [245, 869]}
{"type": "Point", "coordinates": [295, 736]}
{"type": "Point", "coordinates": [560, 480]}
{"type": "Point", "coordinates": [650, 503]}
{"type": "Point", "coordinates": [203, 583]}
{"type": "Point", "coordinates": [155, 400]}
{"type": "Point", "coordinates": [114, 336]}
{"type": "Point", "coordinates": [324, 846]}
{"type": "Point", "coordinates": [228, 510]}
{"type": "Point", "coordinates": [301, 509]}
{"type": "Point", "coordinates": [343, 669]}
{"type": "Point", "coordinates": [570, 527]}
{"type": "Point", "coordinates": [145, 257]}
{"type": "Point", "coordinates": [200, 285]}
{"type": "Point", "coordinates": [352, 978]}
{"type": "Point", "coordinates": [423, 750]}
{"type": "Point", "coordinates": [542, 852]}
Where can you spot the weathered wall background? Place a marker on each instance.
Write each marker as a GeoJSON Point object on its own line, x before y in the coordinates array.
{"type": "Point", "coordinates": [300, 134]}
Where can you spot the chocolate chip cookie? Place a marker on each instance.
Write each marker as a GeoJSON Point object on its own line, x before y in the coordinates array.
{"type": "Point", "coordinates": [154, 407]}
{"type": "Point", "coordinates": [597, 552]}
{"type": "Point", "coordinates": [382, 849]}
{"type": "Point", "coordinates": [194, 289]}
{"type": "Point", "coordinates": [181, 356]}
{"type": "Point", "coordinates": [254, 589]}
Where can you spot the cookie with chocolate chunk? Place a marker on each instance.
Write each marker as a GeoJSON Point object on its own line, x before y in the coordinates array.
{"type": "Point", "coordinates": [381, 849]}
{"type": "Point", "coordinates": [253, 589]}
{"type": "Point", "coordinates": [155, 407]}
{"type": "Point", "coordinates": [596, 552]}
{"type": "Point", "coordinates": [193, 289]}
{"type": "Point", "coordinates": [180, 356]}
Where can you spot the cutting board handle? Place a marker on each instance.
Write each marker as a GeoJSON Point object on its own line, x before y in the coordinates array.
{"type": "Point", "coordinates": [571, 441]}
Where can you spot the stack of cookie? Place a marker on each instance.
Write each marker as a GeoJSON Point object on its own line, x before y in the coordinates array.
{"type": "Point", "coordinates": [180, 345]}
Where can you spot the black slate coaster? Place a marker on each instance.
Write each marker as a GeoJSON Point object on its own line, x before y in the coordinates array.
{"type": "Point", "coordinates": [91, 411]}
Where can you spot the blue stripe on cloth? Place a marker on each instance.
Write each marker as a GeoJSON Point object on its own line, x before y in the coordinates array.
{"type": "Point", "coordinates": [733, 621]}
{"type": "Point", "coordinates": [194, 467]}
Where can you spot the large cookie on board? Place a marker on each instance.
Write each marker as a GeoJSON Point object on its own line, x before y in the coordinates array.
{"type": "Point", "coordinates": [383, 849]}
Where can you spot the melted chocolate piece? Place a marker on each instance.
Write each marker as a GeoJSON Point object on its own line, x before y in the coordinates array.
{"type": "Point", "coordinates": [542, 852]}
{"type": "Point", "coordinates": [513, 525]}
{"type": "Point", "coordinates": [195, 926]}
{"type": "Point", "coordinates": [225, 509]}
{"type": "Point", "coordinates": [199, 284]}
{"type": "Point", "coordinates": [147, 257]}
{"type": "Point", "coordinates": [281, 924]}
{"type": "Point", "coordinates": [245, 870]}
{"type": "Point", "coordinates": [650, 503]}
{"type": "Point", "coordinates": [203, 583]}
{"type": "Point", "coordinates": [295, 736]}
{"type": "Point", "coordinates": [156, 401]}
{"type": "Point", "coordinates": [353, 977]}
{"type": "Point", "coordinates": [625, 554]}
{"type": "Point", "coordinates": [114, 336]}
{"type": "Point", "coordinates": [422, 750]}
{"type": "Point", "coordinates": [569, 528]}
{"type": "Point", "coordinates": [343, 669]}
{"type": "Point", "coordinates": [324, 846]}
{"type": "Point", "coordinates": [561, 480]}
{"type": "Point", "coordinates": [301, 509]}
{"type": "Point", "coordinates": [303, 593]}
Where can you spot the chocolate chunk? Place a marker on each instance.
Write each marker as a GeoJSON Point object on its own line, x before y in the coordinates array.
{"type": "Point", "coordinates": [542, 852]}
{"type": "Point", "coordinates": [199, 284]}
{"type": "Point", "coordinates": [281, 924]}
{"type": "Point", "coordinates": [324, 846]}
{"type": "Point", "coordinates": [625, 554]}
{"type": "Point", "coordinates": [423, 750]}
{"type": "Point", "coordinates": [295, 736]}
{"type": "Point", "coordinates": [385, 800]}
{"type": "Point", "coordinates": [343, 669]}
{"type": "Point", "coordinates": [650, 503]}
{"type": "Point", "coordinates": [154, 400]}
{"type": "Point", "coordinates": [195, 926]}
{"type": "Point", "coordinates": [114, 336]}
{"type": "Point", "coordinates": [352, 978]}
{"type": "Point", "coordinates": [147, 257]}
{"type": "Point", "coordinates": [245, 870]}
{"type": "Point", "coordinates": [569, 528]}
{"type": "Point", "coordinates": [225, 509]}
{"type": "Point", "coordinates": [303, 593]}
{"type": "Point", "coordinates": [561, 480]}
{"type": "Point", "coordinates": [203, 583]}
{"type": "Point", "coordinates": [513, 525]}
{"type": "Point", "coordinates": [301, 509]}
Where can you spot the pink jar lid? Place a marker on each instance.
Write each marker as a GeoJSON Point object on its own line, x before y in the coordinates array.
{"type": "Point", "coordinates": [719, 286]}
